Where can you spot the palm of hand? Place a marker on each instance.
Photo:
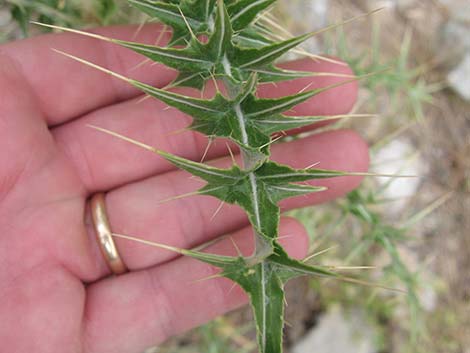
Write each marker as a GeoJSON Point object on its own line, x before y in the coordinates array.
{"type": "Point", "coordinates": [54, 290]}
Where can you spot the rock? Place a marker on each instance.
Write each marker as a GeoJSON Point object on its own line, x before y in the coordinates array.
{"type": "Point", "coordinates": [459, 78]}
{"type": "Point", "coordinates": [459, 10]}
{"type": "Point", "coordinates": [307, 15]}
{"type": "Point", "coordinates": [312, 15]}
{"type": "Point", "coordinates": [453, 42]}
{"type": "Point", "coordinates": [318, 13]}
{"type": "Point", "coordinates": [338, 332]}
{"type": "Point", "coordinates": [398, 157]}
{"type": "Point", "coordinates": [404, 5]}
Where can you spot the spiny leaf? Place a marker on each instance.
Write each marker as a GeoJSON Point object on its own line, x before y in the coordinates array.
{"type": "Point", "coordinates": [228, 263]}
{"type": "Point", "coordinates": [265, 56]}
{"type": "Point", "coordinates": [170, 14]}
{"type": "Point", "coordinates": [277, 123]}
{"type": "Point", "coordinates": [290, 268]}
{"type": "Point", "coordinates": [218, 57]}
{"type": "Point", "coordinates": [192, 58]}
{"type": "Point", "coordinates": [251, 38]}
{"type": "Point", "coordinates": [243, 12]}
{"type": "Point", "coordinates": [220, 117]}
{"type": "Point", "coordinates": [221, 40]}
{"type": "Point", "coordinates": [263, 280]}
{"type": "Point", "coordinates": [259, 108]}
{"type": "Point", "coordinates": [254, 190]}
{"type": "Point", "coordinates": [260, 281]}
{"type": "Point", "coordinates": [210, 174]}
{"type": "Point", "coordinates": [198, 15]}
{"type": "Point", "coordinates": [278, 174]}
{"type": "Point", "coordinates": [266, 292]}
{"type": "Point", "coordinates": [201, 9]}
{"type": "Point", "coordinates": [272, 73]}
{"type": "Point", "coordinates": [280, 192]}
{"type": "Point", "coordinates": [257, 191]}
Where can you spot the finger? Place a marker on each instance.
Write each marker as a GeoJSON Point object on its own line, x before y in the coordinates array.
{"type": "Point", "coordinates": [66, 89]}
{"type": "Point", "coordinates": [140, 309]}
{"type": "Point", "coordinates": [104, 163]}
{"type": "Point", "coordinates": [136, 209]}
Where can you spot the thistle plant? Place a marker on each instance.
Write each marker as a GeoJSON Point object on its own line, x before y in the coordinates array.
{"type": "Point", "coordinates": [221, 40]}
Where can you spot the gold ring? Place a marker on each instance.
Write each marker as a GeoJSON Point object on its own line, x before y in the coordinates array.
{"type": "Point", "coordinates": [104, 236]}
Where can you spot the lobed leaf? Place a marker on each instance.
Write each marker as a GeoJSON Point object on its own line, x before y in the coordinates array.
{"type": "Point", "coordinates": [256, 191]}
{"type": "Point", "coordinates": [221, 39]}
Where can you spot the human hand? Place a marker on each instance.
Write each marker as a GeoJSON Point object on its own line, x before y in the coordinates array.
{"type": "Point", "coordinates": [55, 289]}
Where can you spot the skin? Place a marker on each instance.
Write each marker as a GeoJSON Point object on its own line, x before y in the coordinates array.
{"type": "Point", "coordinates": [56, 291]}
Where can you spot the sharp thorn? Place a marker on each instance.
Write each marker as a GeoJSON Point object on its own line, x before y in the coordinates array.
{"type": "Point", "coordinates": [285, 236]}
{"type": "Point", "coordinates": [124, 138]}
{"type": "Point", "coordinates": [231, 288]}
{"type": "Point", "coordinates": [321, 252]}
{"type": "Point", "coordinates": [237, 249]}
{"type": "Point", "coordinates": [189, 194]}
{"type": "Point", "coordinates": [350, 267]}
{"type": "Point", "coordinates": [217, 211]}
{"type": "Point", "coordinates": [209, 143]}
{"type": "Point", "coordinates": [218, 275]}
{"type": "Point", "coordinates": [234, 162]}
{"type": "Point", "coordinates": [150, 243]}
{"type": "Point", "coordinates": [368, 284]}
{"type": "Point", "coordinates": [139, 65]}
{"type": "Point", "coordinates": [312, 165]}
{"type": "Point", "coordinates": [143, 99]}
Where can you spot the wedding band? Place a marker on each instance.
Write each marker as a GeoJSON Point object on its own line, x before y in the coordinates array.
{"type": "Point", "coordinates": [104, 235]}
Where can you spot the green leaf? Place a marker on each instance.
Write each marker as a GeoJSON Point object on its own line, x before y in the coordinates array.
{"type": "Point", "coordinates": [205, 109]}
{"type": "Point", "coordinates": [264, 282]}
{"type": "Point", "coordinates": [255, 58]}
{"type": "Point", "coordinates": [260, 108]}
{"type": "Point", "coordinates": [190, 79]}
{"type": "Point", "coordinates": [200, 9]}
{"type": "Point", "coordinates": [170, 14]}
{"type": "Point", "coordinates": [192, 59]}
{"type": "Point", "coordinates": [266, 292]}
{"type": "Point", "coordinates": [263, 279]}
{"type": "Point", "coordinates": [278, 174]}
{"type": "Point", "coordinates": [277, 123]}
{"type": "Point", "coordinates": [214, 176]}
{"type": "Point", "coordinates": [221, 39]}
{"type": "Point", "coordinates": [280, 192]}
{"type": "Point", "coordinates": [219, 57]}
{"type": "Point", "coordinates": [198, 15]}
{"type": "Point", "coordinates": [289, 268]}
{"type": "Point", "coordinates": [257, 191]}
{"type": "Point", "coordinates": [197, 60]}
{"type": "Point", "coordinates": [251, 38]}
{"type": "Point", "coordinates": [244, 12]}
{"type": "Point", "coordinates": [265, 289]}
{"type": "Point", "coordinates": [275, 74]}
{"type": "Point", "coordinates": [242, 119]}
